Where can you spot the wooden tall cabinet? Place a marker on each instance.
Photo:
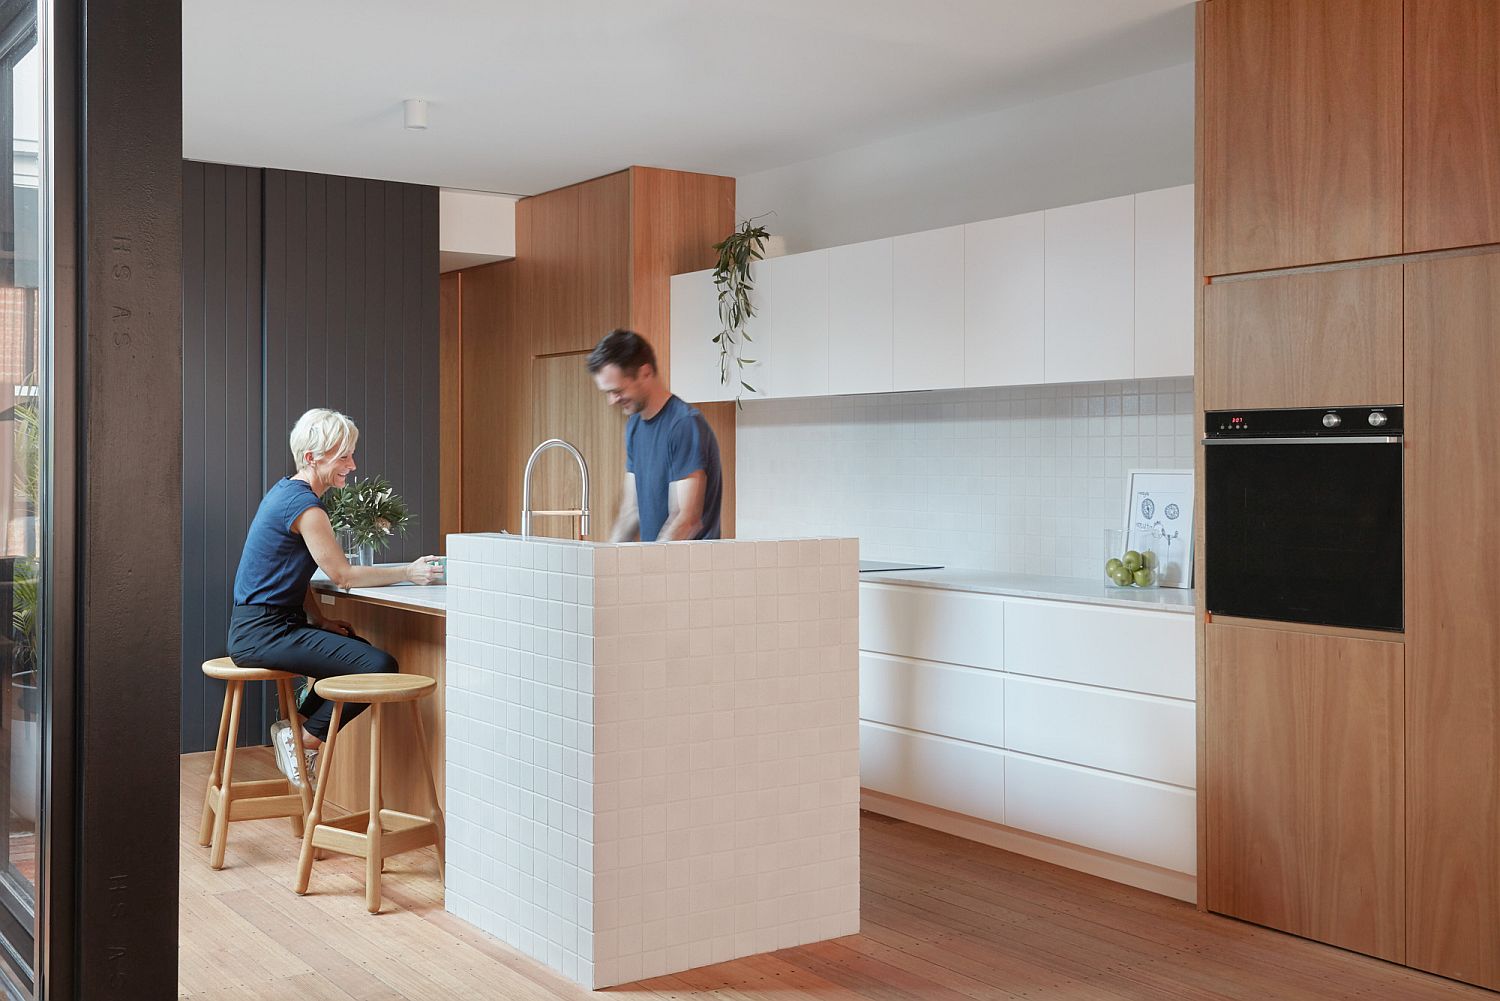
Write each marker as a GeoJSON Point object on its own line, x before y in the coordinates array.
{"type": "Point", "coordinates": [1300, 116]}
{"type": "Point", "coordinates": [589, 258]}
{"type": "Point", "coordinates": [1452, 123]}
{"type": "Point", "coordinates": [1453, 618]}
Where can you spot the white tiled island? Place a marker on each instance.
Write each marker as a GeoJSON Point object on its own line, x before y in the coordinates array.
{"type": "Point", "coordinates": [652, 750]}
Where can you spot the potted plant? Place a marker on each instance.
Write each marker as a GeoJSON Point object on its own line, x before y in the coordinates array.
{"type": "Point", "coordinates": [366, 514]}
{"type": "Point", "coordinates": [732, 277]}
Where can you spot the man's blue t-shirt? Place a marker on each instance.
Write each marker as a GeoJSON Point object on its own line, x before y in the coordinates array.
{"type": "Point", "coordinates": [671, 446]}
{"type": "Point", "coordinates": [276, 566]}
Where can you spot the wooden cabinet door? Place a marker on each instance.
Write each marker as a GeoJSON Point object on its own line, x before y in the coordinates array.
{"type": "Point", "coordinates": [1164, 283]}
{"type": "Point", "coordinates": [1300, 111]}
{"type": "Point", "coordinates": [602, 267]}
{"type": "Point", "coordinates": [1317, 339]}
{"type": "Point", "coordinates": [566, 404]}
{"type": "Point", "coordinates": [1090, 294]}
{"type": "Point", "coordinates": [1452, 537]}
{"type": "Point", "coordinates": [1003, 294]}
{"type": "Point", "coordinates": [927, 301]}
{"type": "Point", "coordinates": [859, 318]}
{"type": "Point", "coordinates": [799, 315]}
{"type": "Point", "coordinates": [1304, 785]}
{"type": "Point", "coordinates": [547, 254]}
{"type": "Point", "coordinates": [1452, 123]}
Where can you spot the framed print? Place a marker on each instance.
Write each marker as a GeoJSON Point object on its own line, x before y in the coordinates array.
{"type": "Point", "coordinates": [1159, 518]}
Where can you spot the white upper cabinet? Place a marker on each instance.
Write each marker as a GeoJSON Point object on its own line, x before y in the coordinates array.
{"type": "Point", "coordinates": [694, 368]}
{"type": "Point", "coordinates": [1003, 267]}
{"type": "Point", "coordinates": [1090, 291]}
{"type": "Point", "coordinates": [927, 300]}
{"type": "Point", "coordinates": [859, 318]}
{"type": "Point", "coordinates": [1164, 283]}
{"type": "Point", "coordinates": [799, 318]}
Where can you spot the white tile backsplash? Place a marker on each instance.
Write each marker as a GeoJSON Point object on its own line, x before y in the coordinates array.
{"type": "Point", "coordinates": [1021, 479]}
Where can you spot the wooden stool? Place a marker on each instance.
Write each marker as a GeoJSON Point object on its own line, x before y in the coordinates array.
{"type": "Point", "coordinates": [376, 833]}
{"type": "Point", "coordinates": [228, 800]}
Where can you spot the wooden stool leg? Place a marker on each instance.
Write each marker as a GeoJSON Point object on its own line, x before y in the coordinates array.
{"type": "Point", "coordinates": [226, 794]}
{"type": "Point", "coordinates": [206, 827]}
{"type": "Point", "coordinates": [437, 806]}
{"type": "Point", "coordinates": [305, 861]}
{"type": "Point", "coordinates": [374, 861]}
{"type": "Point", "coordinates": [289, 710]}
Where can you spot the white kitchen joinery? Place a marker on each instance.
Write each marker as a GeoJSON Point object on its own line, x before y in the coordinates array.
{"type": "Point", "coordinates": [1081, 293]}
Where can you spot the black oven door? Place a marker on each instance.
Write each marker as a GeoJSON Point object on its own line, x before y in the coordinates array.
{"type": "Point", "coordinates": [1304, 531]}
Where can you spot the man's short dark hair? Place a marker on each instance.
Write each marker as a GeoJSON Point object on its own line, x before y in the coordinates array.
{"type": "Point", "coordinates": [624, 348]}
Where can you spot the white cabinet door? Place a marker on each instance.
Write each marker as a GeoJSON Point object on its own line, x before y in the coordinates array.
{"type": "Point", "coordinates": [1090, 299]}
{"type": "Point", "coordinates": [932, 624]}
{"type": "Point", "coordinates": [762, 328]}
{"type": "Point", "coordinates": [1112, 813]}
{"type": "Point", "coordinates": [1164, 283]}
{"type": "Point", "coordinates": [1150, 652]}
{"type": "Point", "coordinates": [694, 367]}
{"type": "Point", "coordinates": [927, 300]}
{"type": "Point", "coordinates": [799, 317]}
{"type": "Point", "coordinates": [859, 318]}
{"type": "Point", "coordinates": [1140, 735]}
{"type": "Point", "coordinates": [1003, 296]}
{"type": "Point", "coordinates": [948, 774]}
{"type": "Point", "coordinates": [965, 703]}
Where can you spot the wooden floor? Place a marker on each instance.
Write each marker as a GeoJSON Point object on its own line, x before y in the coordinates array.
{"type": "Point", "coordinates": [943, 919]}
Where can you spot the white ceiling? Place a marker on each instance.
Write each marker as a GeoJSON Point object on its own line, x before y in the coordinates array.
{"type": "Point", "coordinates": [523, 98]}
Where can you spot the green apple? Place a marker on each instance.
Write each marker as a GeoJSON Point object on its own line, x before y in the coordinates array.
{"type": "Point", "coordinates": [1132, 561]}
{"type": "Point", "coordinates": [1121, 576]}
{"type": "Point", "coordinates": [1148, 559]}
{"type": "Point", "coordinates": [1143, 577]}
{"type": "Point", "coordinates": [1111, 565]}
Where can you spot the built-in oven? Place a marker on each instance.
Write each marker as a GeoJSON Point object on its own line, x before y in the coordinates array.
{"type": "Point", "coordinates": [1302, 515]}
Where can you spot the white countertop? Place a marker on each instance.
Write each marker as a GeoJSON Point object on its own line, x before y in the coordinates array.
{"type": "Point", "coordinates": [1020, 585]}
{"type": "Point", "coordinates": [429, 598]}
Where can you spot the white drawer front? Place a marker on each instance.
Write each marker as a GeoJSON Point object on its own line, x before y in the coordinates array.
{"type": "Point", "coordinates": [962, 702]}
{"type": "Point", "coordinates": [1123, 816]}
{"type": "Point", "coordinates": [1149, 652]}
{"type": "Point", "coordinates": [964, 778]}
{"type": "Point", "coordinates": [929, 624]}
{"type": "Point", "coordinates": [1141, 735]}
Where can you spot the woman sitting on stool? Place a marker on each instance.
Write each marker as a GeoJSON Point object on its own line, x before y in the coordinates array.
{"type": "Point", "coordinates": [275, 622]}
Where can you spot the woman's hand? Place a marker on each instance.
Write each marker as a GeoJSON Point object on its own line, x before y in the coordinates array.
{"type": "Point", "coordinates": [337, 626]}
{"type": "Point", "coordinates": [426, 570]}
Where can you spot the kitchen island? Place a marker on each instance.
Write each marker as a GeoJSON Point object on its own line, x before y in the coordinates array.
{"type": "Point", "coordinates": [649, 753]}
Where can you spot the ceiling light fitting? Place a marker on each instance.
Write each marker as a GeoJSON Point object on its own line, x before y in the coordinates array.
{"type": "Point", "coordinates": [415, 114]}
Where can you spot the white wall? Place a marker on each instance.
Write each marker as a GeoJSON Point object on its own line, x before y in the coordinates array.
{"type": "Point", "coordinates": [1126, 136]}
{"type": "Point", "coordinates": [1023, 480]}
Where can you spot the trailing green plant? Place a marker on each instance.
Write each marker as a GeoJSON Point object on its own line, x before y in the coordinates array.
{"type": "Point", "coordinates": [369, 510]}
{"type": "Point", "coordinates": [732, 277]}
{"type": "Point", "coordinates": [26, 569]}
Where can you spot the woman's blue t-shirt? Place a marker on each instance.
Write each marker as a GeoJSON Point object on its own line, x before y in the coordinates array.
{"type": "Point", "coordinates": [276, 567]}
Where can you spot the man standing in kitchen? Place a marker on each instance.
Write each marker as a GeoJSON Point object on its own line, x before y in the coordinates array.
{"type": "Point", "coordinates": [674, 484]}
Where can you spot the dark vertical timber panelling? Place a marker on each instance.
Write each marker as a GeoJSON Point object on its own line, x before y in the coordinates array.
{"type": "Point", "coordinates": [351, 295]}
{"type": "Point", "coordinates": [222, 426]}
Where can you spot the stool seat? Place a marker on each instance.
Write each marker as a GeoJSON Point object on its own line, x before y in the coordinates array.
{"type": "Point", "coordinates": [375, 688]}
{"type": "Point", "coordinates": [225, 669]}
{"type": "Point", "coordinates": [225, 799]}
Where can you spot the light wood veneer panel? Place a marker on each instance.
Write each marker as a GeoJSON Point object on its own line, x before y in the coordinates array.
{"type": "Point", "coordinates": [567, 405]}
{"type": "Point", "coordinates": [1452, 122]}
{"type": "Point", "coordinates": [450, 406]}
{"type": "Point", "coordinates": [1301, 132]}
{"type": "Point", "coordinates": [600, 271]}
{"type": "Point", "coordinates": [1452, 630]}
{"type": "Point", "coordinates": [496, 399]}
{"type": "Point", "coordinates": [1304, 785]}
{"type": "Point", "coordinates": [1325, 338]}
{"type": "Point", "coordinates": [547, 258]}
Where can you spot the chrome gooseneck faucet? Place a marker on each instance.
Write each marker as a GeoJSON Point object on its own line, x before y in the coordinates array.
{"type": "Point", "coordinates": [581, 513]}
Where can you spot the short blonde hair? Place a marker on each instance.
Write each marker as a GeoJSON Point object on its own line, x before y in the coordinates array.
{"type": "Point", "coordinates": [323, 433]}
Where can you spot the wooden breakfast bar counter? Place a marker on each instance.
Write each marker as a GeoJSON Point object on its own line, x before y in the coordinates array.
{"type": "Point", "coordinates": [409, 623]}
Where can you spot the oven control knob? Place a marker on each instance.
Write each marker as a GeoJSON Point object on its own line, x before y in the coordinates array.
{"type": "Point", "coordinates": [1332, 420]}
{"type": "Point", "coordinates": [1377, 419]}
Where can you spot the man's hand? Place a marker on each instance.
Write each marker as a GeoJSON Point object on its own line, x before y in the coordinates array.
{"type": "Point", "coordinates": [337, 626]}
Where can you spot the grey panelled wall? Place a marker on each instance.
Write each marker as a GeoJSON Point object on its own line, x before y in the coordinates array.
{"type": "Point", "coordinates": [221, 417]}
{"type": "Point", "coordinates": [300, 290]}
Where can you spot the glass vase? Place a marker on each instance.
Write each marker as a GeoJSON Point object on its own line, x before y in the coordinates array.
{"type": "Point", "coordinates": [1140, 570]}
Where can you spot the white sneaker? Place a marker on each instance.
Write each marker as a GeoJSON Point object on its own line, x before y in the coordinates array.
{"type": "Point", "coordinates": [285, 743]}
